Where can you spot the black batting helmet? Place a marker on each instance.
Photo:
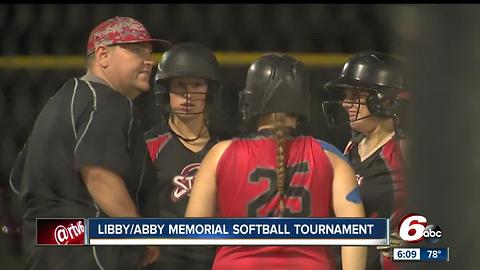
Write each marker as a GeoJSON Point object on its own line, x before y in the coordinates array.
{"type": "Point", "coordinates": [275, 82]}
{"type": "Point", "coordinates": [187, 59]}
{"type": "Point", "coordinates": [379, 73]}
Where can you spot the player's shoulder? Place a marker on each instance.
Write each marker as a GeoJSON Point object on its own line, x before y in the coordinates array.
{"type": "Point", "coordinates": [221, 146]}
{"type": "Point", "coordinates": [330, 149]}
{"type": "Point", "coordinates": [216, 153]}
{"type": "Point", "coordinates": [155, 131]}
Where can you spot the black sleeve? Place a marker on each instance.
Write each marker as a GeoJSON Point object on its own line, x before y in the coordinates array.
{"type": "Point", "coordinates": [103, 137]}
{"type": "Point", "coordinates": [148, 199]}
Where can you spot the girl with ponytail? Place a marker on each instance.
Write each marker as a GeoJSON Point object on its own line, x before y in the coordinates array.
{"type": "Point", "coordinates": [276, 172]}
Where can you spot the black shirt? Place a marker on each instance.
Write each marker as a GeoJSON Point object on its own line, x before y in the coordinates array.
{"type": "Point", "coordinates": [84, 123]}
{"type": "Point", "coordinates": [382, 186]}
{"type": "Point", "coordinates": [176, 167]}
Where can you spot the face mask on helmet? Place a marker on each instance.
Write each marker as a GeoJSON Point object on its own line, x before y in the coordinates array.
{"type": "Point", "coordinates": [187, 60]}
{"type": "Point", "coordinates": [344, 107]}
{"type": "Point", "coordinates": [351, 105]}
{"type": "Point", "coordinates": [188, 95]}
{"type": "Point", "coordinates": [182, 99]}
{"type": "Point", "coordinates": [375, 74]}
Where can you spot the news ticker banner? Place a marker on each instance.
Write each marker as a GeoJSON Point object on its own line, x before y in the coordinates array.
{"type": "Point", "coordinates": [421, 254]}
{"type": "Point", "coordinates": [214, 231]}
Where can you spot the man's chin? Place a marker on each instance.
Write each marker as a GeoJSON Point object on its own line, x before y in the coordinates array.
{"type": "Point", "coordinates": [142, 87]}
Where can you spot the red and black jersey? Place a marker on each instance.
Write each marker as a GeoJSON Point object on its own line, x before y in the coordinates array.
{"type": "Point", "coordinates": [382, 186]}
{"type": "Point", "coordinates": [176, 167]}
{"type": "Point", "coordinates": [247, 187]}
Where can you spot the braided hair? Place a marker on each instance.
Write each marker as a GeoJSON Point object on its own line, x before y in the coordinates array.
{"type": "Point", "coordinates": [280, 131]}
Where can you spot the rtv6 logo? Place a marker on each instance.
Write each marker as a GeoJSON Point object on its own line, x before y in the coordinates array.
{"type": "Point", "coordinates": [414, 228]}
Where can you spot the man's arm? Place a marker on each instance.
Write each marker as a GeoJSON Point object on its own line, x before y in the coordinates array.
{"type": "Point", "coordinates": [108, 191]}
{"type": "Point", "coordinates": [110, 194]}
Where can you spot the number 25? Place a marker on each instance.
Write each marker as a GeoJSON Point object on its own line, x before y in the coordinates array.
{"type": "Point", "coordinates": [290, 191]}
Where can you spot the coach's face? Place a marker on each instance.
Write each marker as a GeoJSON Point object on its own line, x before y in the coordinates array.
{"type": "Point", "coordinates": [188, 95]}
{"type": "Point", "coordinates": [130, 67]}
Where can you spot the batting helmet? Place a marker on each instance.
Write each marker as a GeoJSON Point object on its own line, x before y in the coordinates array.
{"type": "Point", "coordinates": [187, 60]}
{"type": "Point", "coordinates": [376, 72]}
{"type": "Point", "coordinates": [275, 82]}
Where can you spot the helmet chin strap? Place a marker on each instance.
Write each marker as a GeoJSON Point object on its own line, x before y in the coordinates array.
{"type": "Point", "coordinates": [192, 139]}
{"type": "Point", "coordinates": [202, 132]}
{"type": "Point", "coordinates": [186, 113]}
{"type": "Point", "coordinates": [348, 122]}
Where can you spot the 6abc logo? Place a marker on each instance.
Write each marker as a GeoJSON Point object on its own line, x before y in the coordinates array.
{"type": "Point", "coordinates": [414, 228]}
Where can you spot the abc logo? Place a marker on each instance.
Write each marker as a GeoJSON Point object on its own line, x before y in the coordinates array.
{"type": "Point", "coordinates": [414, 228]}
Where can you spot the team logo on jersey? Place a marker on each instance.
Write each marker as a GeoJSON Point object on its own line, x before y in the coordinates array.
{"type": "Point", "coordinates": [359, 179]}
{"type": "Point", "coordinates": [182, 184]}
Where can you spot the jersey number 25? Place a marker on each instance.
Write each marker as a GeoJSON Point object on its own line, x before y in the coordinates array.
{"type": "Point", "coordinates": [291, 191]}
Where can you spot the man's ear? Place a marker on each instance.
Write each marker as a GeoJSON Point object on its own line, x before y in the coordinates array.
{"type": "Point", "coordinates": [102, 55]}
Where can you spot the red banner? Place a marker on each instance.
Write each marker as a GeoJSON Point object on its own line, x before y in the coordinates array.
{"type": "Point", "coordinates": [60, 231]}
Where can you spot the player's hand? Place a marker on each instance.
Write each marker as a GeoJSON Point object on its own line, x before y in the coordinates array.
{"type": "Point", "coordinates": [395, 241]}
{"type": "Point", "coordinates": [151, 255]}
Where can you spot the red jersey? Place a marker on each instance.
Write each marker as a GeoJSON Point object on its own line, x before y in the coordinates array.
{"type": "Point", "coordinates": [247, 187]}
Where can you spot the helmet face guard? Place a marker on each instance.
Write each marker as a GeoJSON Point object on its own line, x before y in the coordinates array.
{"type": "Point", "coordinates": [245, 99]}
{"type": "Point", "coordinates": [162, 96]}
{"type": "Point", "coordinates": [190, 99]}
{"type": "Point", "coordinates": [335, 112]}
{"type": "Point", "coordinates": [375, 72]}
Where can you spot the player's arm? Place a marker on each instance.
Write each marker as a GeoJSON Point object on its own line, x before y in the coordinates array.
{"type": "Point", "coordinates": [202, 201]}
{"type": "Point", "coordinates": [108, 191]}
{"type": "Point", "coordinates": [347, 203]}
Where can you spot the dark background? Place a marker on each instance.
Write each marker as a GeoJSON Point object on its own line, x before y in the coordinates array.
{"type": "Point", "coordinates": [440, 43]}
